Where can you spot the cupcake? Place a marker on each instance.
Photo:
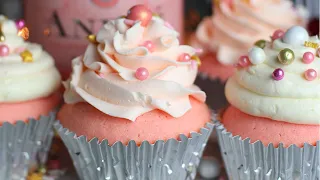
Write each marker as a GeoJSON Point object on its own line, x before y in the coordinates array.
{"type": "Point", "coordinates": [235, 26]}
{"type": "Point", "coordinates": [29, 95]}
{"type": "Point", "coordinates": [132, 110]}
{"type": "Point", "coordinates": [271, 130]}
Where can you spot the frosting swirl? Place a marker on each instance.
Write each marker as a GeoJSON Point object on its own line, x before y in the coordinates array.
{"type": "Point", "coordinates": [293, 99]}
{"type": "Point", "coordinates": [233, 28]}
{"type": "Point", "coordinates": [105, 75]}
{"type": "Point", "coordinates": [19, 80]}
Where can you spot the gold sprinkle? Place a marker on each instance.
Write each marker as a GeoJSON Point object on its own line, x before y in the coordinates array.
{"type": "Point", "coordinates": [311, 44]}
{"type": "Point", "coordinates": [247, 1]}
{"type": "Point", "coordinates": [26, 56]}
{"type": "Point", "coordinates": [35, 176]}
{"type": "Point", "coordinates": [2, 37]}
{"type": "Point", "coordinates": [24, 33]}
{"type": "Point", "coordinates": [123, 16]}
{"type": "Point", "coordinates": [92, 39]}
{"type": "Point", "coordinates": [197, 59]}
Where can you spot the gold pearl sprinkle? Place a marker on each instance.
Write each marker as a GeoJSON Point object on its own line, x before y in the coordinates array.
{"type": "Point", "coordinates": [311, 44]}
{"type": "Point", "coordinates": [197, 59]}
{"type": "Point", "coordinates": [26, 56]}
{"type": "Point", "coordinates": [92, 38]}
{"type": "Point", "coordinates": [35, 176]}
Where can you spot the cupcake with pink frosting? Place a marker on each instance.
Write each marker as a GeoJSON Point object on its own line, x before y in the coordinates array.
{"type": "Point", "coordinates": [274, 113]}
{"type": "Point", "coordinates": [235, 26]}
{"type": "Point", "coordinates": [131, 97]}
{"type": "Point", "coordinates": [29, 96]}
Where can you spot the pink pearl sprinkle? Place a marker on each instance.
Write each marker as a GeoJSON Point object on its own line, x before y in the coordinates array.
{"type": "Point", "coordinates": [308, 57]}
{"type": "Point", "coordinates": [278, 74]}
{"type": "Point", "coordinates": [311, 74]}
{"type": "Point", "coordinates": [142, 73]}
{"type": "Point", "coordinates": [4, 50]}
{"type": "Point", "coordinates": [244, 61]}
{"type": "Point", "coordinates": [20, 24]}
{"type": "Point", "coordinates": [149, 45]}
{"type": "Point", "coordinates": [277, 34]}
{"type": "Point", "coordinates": [184, 57]}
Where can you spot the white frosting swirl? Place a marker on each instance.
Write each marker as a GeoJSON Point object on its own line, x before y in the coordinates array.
{"type": "Point", "coordinates": [292, 99]}
{"type": "Point", "coordinates": [232, 30]}
{"type": "Point", "coordinates": [22, 81]}
{"type": "Point", "coordinates": [105, 76]}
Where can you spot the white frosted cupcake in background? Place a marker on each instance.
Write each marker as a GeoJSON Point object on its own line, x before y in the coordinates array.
{"type": "Point", "coordinates": [29, 96]}
{"type": "Point", "coordinates": [233, 28]}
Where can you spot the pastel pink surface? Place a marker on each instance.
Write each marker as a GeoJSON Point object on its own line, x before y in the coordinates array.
{"type": "Point", "coordinates": [267, 130]}
{"type": "Point", "coordinates": [84, 119]}
{"type": "Point", "coordinates": [12, 112]}
{"type": "Point", "coordinates": [211, 66]}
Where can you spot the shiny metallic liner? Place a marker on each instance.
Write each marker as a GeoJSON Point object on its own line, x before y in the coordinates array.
{"type": "Point", "coordinates": [164, 160]}
{"type": "Point", "coordinates": [22, 144]}
{"type": "Point", "coordinates": [253, 161]}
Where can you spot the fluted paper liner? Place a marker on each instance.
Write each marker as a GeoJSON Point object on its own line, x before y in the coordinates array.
{"type": "Point", "coordinates": [163, 160]}
{"type": "Point", "coordinates": [214, 88]}
{"type": "Point", "coordinates": [245, 160]}
{"type": "Point", "coordinates": [22, 143]}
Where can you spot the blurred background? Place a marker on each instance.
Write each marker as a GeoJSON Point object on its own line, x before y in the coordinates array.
{"type": "Point", "coordinates": [62, 25]}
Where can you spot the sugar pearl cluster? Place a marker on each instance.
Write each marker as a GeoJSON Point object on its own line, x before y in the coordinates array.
{"type": "Point", "coordinates": [295, 36]}
{"type": "Point", "coordinates": [24, 33]}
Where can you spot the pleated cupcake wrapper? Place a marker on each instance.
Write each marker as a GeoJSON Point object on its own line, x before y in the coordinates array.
{"type": "Point", "coordinates": [245, 160]}
{"type": "Point", "coordinates": [163, 160]}
{"type": "Point", "coordinates": [214, 89]}
{"type": "Point", "coordinates": [24, 143]}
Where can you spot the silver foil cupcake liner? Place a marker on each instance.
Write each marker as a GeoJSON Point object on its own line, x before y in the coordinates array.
{"type": "Point", "coordinates": [245, 160]}
{"type": "Point", "coordinates": [163, 160]}
{"type": "Point", "coordinates": [24, 143]}
{"type": "Point", "coordinates": [214, 88]}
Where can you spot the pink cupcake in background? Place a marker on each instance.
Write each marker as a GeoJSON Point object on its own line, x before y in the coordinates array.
{"type": "Point", "coordinates": [29, 96]}
{"type": "Point", "coordinates": [272, 128]}
{"type": "Point", "coordinates": [132, 109]}
{"type": "Point", "coordinates": [234, 27]}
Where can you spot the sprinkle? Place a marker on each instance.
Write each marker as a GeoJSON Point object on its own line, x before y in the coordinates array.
{"type": "Point", "coordinates": [92, 38]}
{"type": "Point", "coordinates": [168, 25]}
{"type": "Point", "coordinates": [311, 44]}
{"type": "Point", "coordinates": [311, 74]}
{"type": "Point", "coordinates": [278, 74]}
{"type": "Point", "coordinates": [26, 56]}
{"type": "Point", "coordinates": [197, 59]}
{"type": "Point", "coordinates": [199, 50]}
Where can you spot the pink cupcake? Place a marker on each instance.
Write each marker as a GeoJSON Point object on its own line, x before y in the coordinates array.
{"type": "Point", "coordinates": [132, 110]}
{"type": "Point", "coordinates": [29, 96]}
{"type": "Point", "coordinates": [235, 26]}
{"type": "Point", "coordinates": [272, 128]}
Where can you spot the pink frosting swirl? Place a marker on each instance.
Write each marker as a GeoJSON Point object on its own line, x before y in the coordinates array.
{"type": "Point", "coordinates": [105, 76]}
{"type": "Point", "coordinates": [234, 27]}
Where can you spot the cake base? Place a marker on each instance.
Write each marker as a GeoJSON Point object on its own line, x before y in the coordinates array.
{"type": "Point", "coordinates": [84, 119]}
{"type": "Point", "coordinates": [269, 131]}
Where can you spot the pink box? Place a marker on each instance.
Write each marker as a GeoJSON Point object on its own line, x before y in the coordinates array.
{"type": "Point", "coordinates": [68, 22]}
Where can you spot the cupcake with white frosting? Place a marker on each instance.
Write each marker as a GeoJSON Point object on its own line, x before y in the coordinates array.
{"type": "Point", "coordinates": [29, 96]}
{"type": "Point", "coordinates": [275, 104]}
{"type": "Point", "coordinates": [234, 27]}
{"type": "Point", "coordinates": [134, 88]}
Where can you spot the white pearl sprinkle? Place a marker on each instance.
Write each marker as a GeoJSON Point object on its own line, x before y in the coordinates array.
{"type": "Point", "coordinates": [256, 55]}
{"type": "Point", "coordinates": [296, 36]}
